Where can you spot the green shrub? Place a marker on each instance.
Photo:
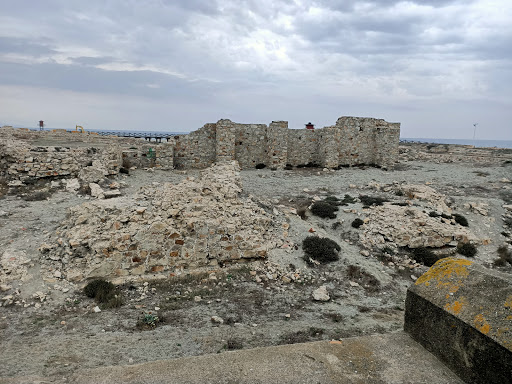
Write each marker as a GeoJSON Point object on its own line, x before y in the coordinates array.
{"type": "Point", "coordinates": [148, 320]}
{"type": "Point", "coordinates": [467, 249]}
{"type": "Point", "coordinates": [424, 256]}
{"type": "Point", "coordinates": [322, 250]}
{"type": "Point", "coordinates": [357, 223]}
{"type": "Point", "coordinates": [324, 210]}
{"type": "Point", "coordinates": [461, 220]}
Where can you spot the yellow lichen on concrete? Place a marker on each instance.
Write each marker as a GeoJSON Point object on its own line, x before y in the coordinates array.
{"type": "Point", "coordinates": [444, 269]}
{"type": "Point", "coordinates": [456, 307]}
{"type": "Point", "coordinates": [508, 302]}
{"type": "Point", "coordinates": [481, 324]}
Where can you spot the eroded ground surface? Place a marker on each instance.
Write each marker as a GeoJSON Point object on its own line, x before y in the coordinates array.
{"type": "Point", "coordinates": [49, 327]}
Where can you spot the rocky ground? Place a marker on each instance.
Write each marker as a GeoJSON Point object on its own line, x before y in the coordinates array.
{"type": "Point", "coordinates": [49, 327]}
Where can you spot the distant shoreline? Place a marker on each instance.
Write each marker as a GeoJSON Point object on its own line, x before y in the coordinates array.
{"type": "Point", "coordinates": [477, 143]}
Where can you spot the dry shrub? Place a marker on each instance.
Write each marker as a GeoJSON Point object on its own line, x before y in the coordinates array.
{"type": "Point", "coordinates": [322, 250]}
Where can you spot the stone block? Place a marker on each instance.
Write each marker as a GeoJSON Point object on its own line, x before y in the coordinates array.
{"type": "Point", "coordinates": [462, 313]}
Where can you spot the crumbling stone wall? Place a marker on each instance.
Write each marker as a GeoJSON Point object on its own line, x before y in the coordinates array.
{"type": "Point", "coordinates": [352, 141]}
{"type": "Point", "coordinates": [197, 149]}
{"type": "Point", "coordinates": [302, 147]}
{"type": "Point", "coordinates": [277, 144]}
{"type": "Point", "coordinates": [251, 144]}
{"type": "Point", "coordinates": [160, 155]}
{"type": "Point", "coordinates": [20, 161]}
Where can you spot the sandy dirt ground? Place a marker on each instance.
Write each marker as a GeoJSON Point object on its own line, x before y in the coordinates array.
{"type": "Point", "coordinates": [51, 328]}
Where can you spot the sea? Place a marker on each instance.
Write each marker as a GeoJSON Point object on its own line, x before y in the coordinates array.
{"type": "Point", "coordinates": [476, 143]}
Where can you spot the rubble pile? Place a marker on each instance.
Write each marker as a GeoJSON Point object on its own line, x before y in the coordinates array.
{"type": "Point", "coordinates": [427, 194]}
{"type": "Point", "coordinates": [411, 227]}
{"type": "Point", "coordinates": [197, 223]}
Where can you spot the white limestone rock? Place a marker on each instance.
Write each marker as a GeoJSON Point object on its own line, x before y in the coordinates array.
{"type": "Point", "coordinates": [321, 294]}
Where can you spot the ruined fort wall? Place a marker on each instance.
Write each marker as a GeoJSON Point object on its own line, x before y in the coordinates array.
{"type": "Point", "coordinates": [302, 146]}
{"type": "Point", "coordinates": [357, 140]}
{"type": "Point", "coordinates": [251, 144]}
{"type": "Point", "coordinates": [277, 144]}
{"type": "Point", "coordinates": [352, 141]}
{"type": "Point", "coordinates": [387, 141]}
{"type": "Point", "coordinates": [197, 149]}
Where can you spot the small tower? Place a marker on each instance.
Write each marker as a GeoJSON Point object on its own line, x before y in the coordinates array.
{"type": "Point", "coordinates": [310, 125]}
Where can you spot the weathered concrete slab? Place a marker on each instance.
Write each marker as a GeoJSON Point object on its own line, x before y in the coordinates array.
{"type": "Point", "coordinates": [462, 313]}
{"type": "Point", "coordinates": [381, 359]}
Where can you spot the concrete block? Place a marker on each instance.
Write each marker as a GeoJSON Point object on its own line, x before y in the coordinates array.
{"type": "Point", "coordinates": [462, 313]}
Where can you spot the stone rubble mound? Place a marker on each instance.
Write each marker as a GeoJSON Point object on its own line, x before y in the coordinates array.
{"type": "Point", "coordinates": [412, 226]}
{"type": "Point", "coordinates": [165, 229]}
{"type": "Point", "coordinates": [427, 194]}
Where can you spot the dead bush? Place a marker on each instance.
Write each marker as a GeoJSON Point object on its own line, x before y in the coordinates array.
{"type": "Point", "coordinates": [467, 249]}
{"type": "Point", "coordinates": [424, 256]}
{"type": "Point", "coordinates": [104, 293]}
{"type": "Point", "coordinates": [357, 223]}
{"type": "Point", "coordinates": [461, 220]}
{"type": "Point", "coordinates": [322, 250]}
{"type": "Point", "coordinates": [324, 210]}
{"type": "Point", "coordinates": [504, 256]}
{"type": "Point", "coordinates": [372, 200]}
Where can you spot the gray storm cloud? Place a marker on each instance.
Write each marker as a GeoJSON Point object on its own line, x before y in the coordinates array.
{"type": "Point", "coordinates": [436, 66]}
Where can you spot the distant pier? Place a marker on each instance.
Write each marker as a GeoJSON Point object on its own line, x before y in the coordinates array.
{"type": "Point", "coordinates": [146, 135]}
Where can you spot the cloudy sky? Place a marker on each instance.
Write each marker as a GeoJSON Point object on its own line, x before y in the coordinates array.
{"type": "Point", "coordinates": [436, 66]}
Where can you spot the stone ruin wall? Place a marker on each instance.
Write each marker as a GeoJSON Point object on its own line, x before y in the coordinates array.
{"type": "Point", "coordinates": [21, 161]}
{"type": "Point", "coordinates": [30, 155]}
{"type": "Point", "coordinates": [352, 141]}
{"type": "Point", "coordinates": [195, 150]}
